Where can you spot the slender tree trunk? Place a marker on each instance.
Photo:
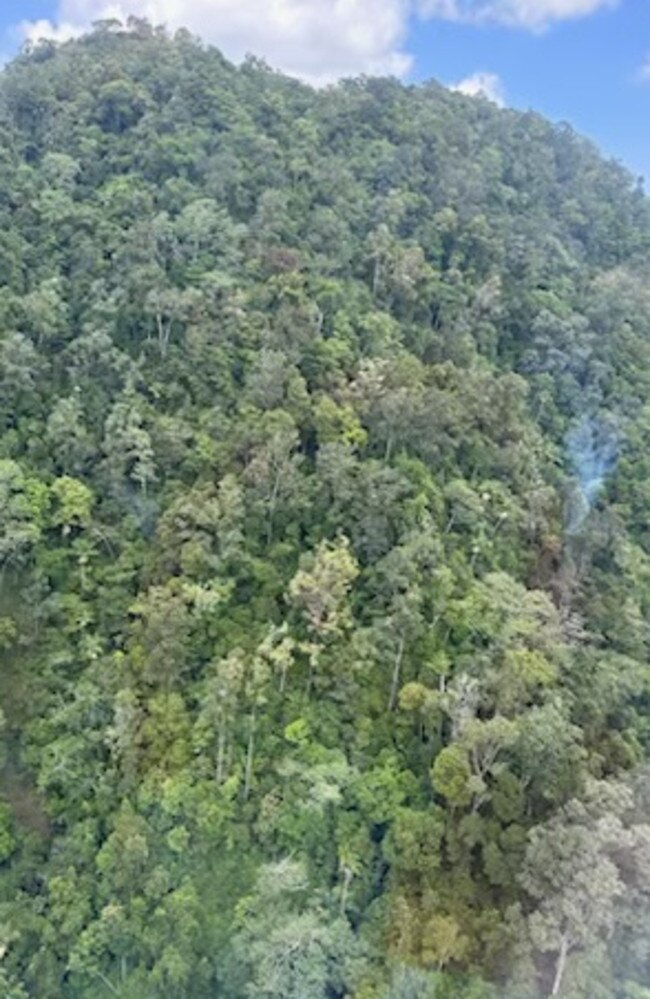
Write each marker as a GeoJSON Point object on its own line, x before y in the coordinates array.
{"type": "Point", "coordinates": [107, 982]}
{"type": "Point", "coordinates": [271, 510]}
{"type": "Point", "coordinates": [347, 881]}
{"type": "Point", "coordinates": [559, 969]}
{"type": "Point", "coordinates": [221, 754]}
{"type": "Point", "coordinates": [394, 687]}
{"type": "Point", "coordinates": [376, 277]}
{"type": "Point", "coordinates": [162, 334]}
{"type": "Point", "coordinates": [250, 752]}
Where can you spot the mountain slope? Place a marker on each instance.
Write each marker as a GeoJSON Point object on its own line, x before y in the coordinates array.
{"type": "Point", "coordinates": [323, 529]}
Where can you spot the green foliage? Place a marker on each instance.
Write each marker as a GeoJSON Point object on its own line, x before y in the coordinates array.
{"type": "Point", "coordinates": [310, 685]}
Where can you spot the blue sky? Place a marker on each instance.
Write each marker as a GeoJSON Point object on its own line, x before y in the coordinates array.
{"type": "Point", "coordinates": [585, 71]}
{"type": "Point", "coordinates": [579, 61]}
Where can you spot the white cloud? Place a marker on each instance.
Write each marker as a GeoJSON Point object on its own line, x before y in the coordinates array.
{"type": "Point", "coordinates": [319, 40]}
{"type": "Point", "coordinates": [482, 85]}
{"type": "Point", "coordinates": [33, 31]}
{"type": "Point", "coordinates": [534, 15]}
{"type": "Point", "coordinates": [644, 73]}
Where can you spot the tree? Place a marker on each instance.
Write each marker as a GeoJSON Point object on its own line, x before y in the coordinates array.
{"type": "Point", "coordinates": [219, 711]}
{"type": "Point", "coordinates": [200, 531]}
{"type": "Point", "coordinates": [320, 588]}
{"type": "Point", "coordinates": [573, 874]}
{"type": "Point", "coordinates": [319, 591]}
{"type": "Point", "coordinates": [170, 308]}
{"type": "Point", "coordinates": [127, 446]}
{"type": "Point", "coordinates": [162, 632]}
{"type": "Point", "coordinates": [287, 944]}
{"type": "Point", "coordinates": [22, 503]}
{"type": "Point", "coordinates": [273, 474]}
{"type": "Point", "coordinates": [20, 366]}
{"type": "Point", "coordinates": [74, 502]}
{"type": "Point", "coordinates": [68, 437]}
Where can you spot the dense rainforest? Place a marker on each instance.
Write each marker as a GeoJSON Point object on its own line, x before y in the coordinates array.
{"type": "Point", "coordinates": [324, 538]}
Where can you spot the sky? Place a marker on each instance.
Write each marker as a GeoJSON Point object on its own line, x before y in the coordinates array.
{"type": "Point", "coordinates": [586, 62]}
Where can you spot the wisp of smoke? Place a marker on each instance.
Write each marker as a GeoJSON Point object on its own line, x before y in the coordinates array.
{"type": "Point", "coordinates": [592, 448]}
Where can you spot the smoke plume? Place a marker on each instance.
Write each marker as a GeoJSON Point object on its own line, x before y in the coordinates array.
{"type": "Point", "coordinates": [592, 448]}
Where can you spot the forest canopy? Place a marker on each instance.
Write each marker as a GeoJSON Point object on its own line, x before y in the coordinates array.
{"type": "Point", "coordinates": [324, 549]}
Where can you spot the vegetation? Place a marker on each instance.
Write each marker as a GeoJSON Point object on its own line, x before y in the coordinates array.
{"type": "Point", "coordinates": [324, 551]}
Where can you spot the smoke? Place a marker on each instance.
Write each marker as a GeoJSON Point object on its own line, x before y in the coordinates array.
{"type": "Point", "coordinates": [592, 448]}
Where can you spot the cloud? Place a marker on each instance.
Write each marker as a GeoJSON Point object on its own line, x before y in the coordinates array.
{"type": "Point", "coordinates": [534, 15]}
{"type": "Point", "coordinates": [33, 31]}
{"type": "Point", "coordinates": [487, 85]}
{"type": "Point", "coordinates": [318, 40]}
{"type": "Point", "coordinates": [643, 75]}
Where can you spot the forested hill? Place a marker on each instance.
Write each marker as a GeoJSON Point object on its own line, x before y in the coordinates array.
{"type": "Point", "coordinates": [324, 550]}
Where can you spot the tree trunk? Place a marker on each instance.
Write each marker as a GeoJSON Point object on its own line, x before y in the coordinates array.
{"type": "Point", "coordinates": [249, 755]}
{"type": "Point", "coordinates": [559, 969]}
{"type": "Point", "coordinates": [376, 277]}
{"type": "Point", "coordinates": [273, 499]}
{"type": "Point", "coordinates": [221, 754]}
{"type": "Point", "coordinates": [394, 687]}
{"type": "Point", "coordinates": [107, 982]}
{"type": "Point", "coordinates": [163, 335]}
{"type": "Point", "coordinates": [347, 881]}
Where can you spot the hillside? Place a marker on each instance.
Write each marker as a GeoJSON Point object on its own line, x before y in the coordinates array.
{"type": "Point", "coordinates": [324, 548]}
